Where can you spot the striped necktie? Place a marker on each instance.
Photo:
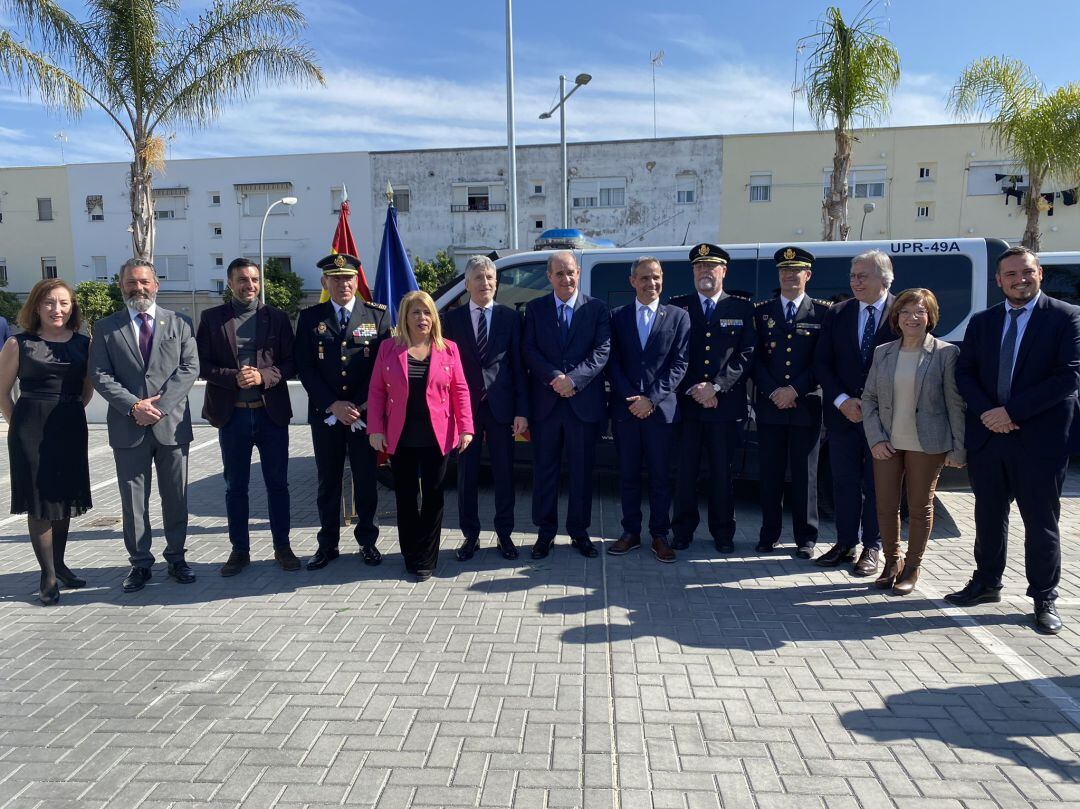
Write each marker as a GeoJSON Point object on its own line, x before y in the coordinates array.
{"type": "Point", "coordinates": [481, 333]}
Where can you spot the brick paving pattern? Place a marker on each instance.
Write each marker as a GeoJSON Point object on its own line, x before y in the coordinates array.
{"type": "Point", "coordinates": [752, 681]}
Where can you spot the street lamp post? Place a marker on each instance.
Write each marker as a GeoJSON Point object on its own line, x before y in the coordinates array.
{"type": "Point", "coordinates": [867, 208]}
{"type": "Point", "coordinates": [262, 230]}
{"type": "Point", "coordinates": [579, 81]}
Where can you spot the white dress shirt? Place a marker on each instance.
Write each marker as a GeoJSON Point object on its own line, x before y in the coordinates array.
{"type": "Point", "coordinates": [487, 310]}
{"type": "Point", "coordinates": [878, 306]}
{"type": "Point", "coordinates": [1022, 321]}
{"type": "Point", "coordinates": [570, 304]}
{"type": "Point", "coordinates": [136, 323]}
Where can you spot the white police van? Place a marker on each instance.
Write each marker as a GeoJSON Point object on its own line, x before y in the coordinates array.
{"type": "Point", "coordinates": [960, 272]}
{"type": "Point", "coordinates": [1061, 275]}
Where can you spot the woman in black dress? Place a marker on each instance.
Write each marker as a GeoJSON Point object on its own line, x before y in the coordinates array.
{"type": "Point", "coordinates": [47, 436]}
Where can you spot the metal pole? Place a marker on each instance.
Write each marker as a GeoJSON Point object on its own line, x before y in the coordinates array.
{"type": "Point", "coordinates": [562, 143]}
{"type": "Point", "coordinates": [654, 100]}
{"type": "Point", "coordinates": [262, 230]}
{"type": "Point", "coordinates": [510, 135]}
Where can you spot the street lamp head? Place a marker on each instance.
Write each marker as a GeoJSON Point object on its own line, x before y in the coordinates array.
{"type": "Point", "coordinates": [869, 207]}
{"type": "Point", "coordinates": [544, 116]}
{"type": "Point", "coordinates": [289, 200]}
{"type": "Point", "coordinates": [582, 79]}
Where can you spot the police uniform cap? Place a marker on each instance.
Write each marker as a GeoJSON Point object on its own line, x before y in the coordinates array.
{"type": "Point", "coordinates": [337, 264]}
{"type": "Point", "coordinates": [794, 257]}
{"type": "Point", "coordinates": [709, 253]}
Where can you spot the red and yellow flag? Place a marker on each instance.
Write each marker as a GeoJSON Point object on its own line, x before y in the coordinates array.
{"type": "Point", "coordinates": [345, 243]}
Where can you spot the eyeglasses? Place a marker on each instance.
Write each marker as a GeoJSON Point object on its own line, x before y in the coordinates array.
{"type": "Point", "coordinates": [919, 313]}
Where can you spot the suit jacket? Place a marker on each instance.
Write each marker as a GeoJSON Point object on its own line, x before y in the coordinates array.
{"type": "Point", "coordinates": [216, 340]}
{"type": "Point", "coordinates": [721, 350]}
{"type": "Point", "coordinates": [582, 358]}
{"type": "Point", "coordinates": [500, 377]}
{"type": "Point", "coordinates": [1042, 402]}
{"type": "Point", "coordinates": [939, 408]}
{"type": "Point", "coordinates": [654, 371]}
{"type": "Point", "coordinates": [838, 363]}
{"type": "Point", "coordinates": [335, 365]}
{"type": "Point", "coordinates": [119, 374]}
{"type": "Point", "coordinates": [784, 357]}
{"type": "Point", "coordinates": [447, 395]}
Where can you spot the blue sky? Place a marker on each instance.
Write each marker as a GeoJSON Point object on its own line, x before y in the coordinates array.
{"type": "Point", "coordinates": [424, 73]}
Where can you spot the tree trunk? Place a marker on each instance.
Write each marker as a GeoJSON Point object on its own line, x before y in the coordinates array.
{"type": "Point", "coordinates": [834, 221]}
{"type": "Point", "coordinates": [142, 207]}
{"type": "Point", "coordinates": [1032, 237]}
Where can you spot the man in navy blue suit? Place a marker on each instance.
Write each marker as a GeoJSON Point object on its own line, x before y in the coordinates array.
{"type": "Point", "coordinates": [566, 346]}
{"type": "Point", "coordinates": [850, 331]}
{"type": "Point", "coordinates": [712, 398]}
{"type": "Point", "coordinates": [649, 349]}
{"type": "Point", "coordinates": [488, 336]}
{"type": "Point", "coordinates": [1018, 371]}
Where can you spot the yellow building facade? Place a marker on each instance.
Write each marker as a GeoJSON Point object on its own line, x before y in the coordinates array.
{"type": "Point", "coordinates": [921, 181]}
{"type": "Point", "coordinates": [35, 227]}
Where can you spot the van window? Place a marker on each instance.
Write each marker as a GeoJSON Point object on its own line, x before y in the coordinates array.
{"type": "Point", "coordinates": [610, 280]}
{"type": "Point", "coordinates": [949, 277]}
{"type": "Point", "coordinates": [1062, 281]}
{"type": "Point", "coordinates": [520, 283]}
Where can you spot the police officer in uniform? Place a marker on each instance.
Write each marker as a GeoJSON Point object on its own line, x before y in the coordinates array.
{"type": "Point", "coordinates": [787, 402]}
{"type": "Point", "coordinates": [336, 345]}
{"type": "Point", "coordinates": [712, 397]}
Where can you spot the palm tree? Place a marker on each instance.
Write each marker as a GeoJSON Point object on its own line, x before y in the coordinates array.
{"type": "Point", "coordinates": [151, 71]}
{"type": "Point", "coordinates": [1042, 132]}
{"type": "Point", "coordinates": [849, 77]}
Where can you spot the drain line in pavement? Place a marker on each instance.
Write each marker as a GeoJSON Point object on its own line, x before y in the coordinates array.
{"type": "Point", "coordinates": [613, 741]}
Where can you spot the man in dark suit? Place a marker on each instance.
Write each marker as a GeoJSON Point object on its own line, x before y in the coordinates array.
{"type": "Point", "coordinates": [850, 332]}
{"type": "Point", "coordinates": [787, 403]}
{"type": "Point", "coordinates": [712, 398]}
{"type": "Point", "coordinates": [649, 348]}
{"type": "Point", "coordinates": [566, 346]}
{"type": "Point", "coordinates": [488, 336]}
{"type": "Point", "coordinates": [336, 345]}
{"type": "Point", "coordinates": [1018, 371]}
{"type": "Point", "coordinates": [246, 358]}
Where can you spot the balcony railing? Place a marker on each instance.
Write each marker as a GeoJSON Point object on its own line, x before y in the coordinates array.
{"type": "Point", "coordinates": [491, 206]}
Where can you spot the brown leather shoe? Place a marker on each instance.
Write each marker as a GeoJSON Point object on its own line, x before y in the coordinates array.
{"type": "Point", "coordinates": [835, 556]}
{"type": "Point", "coordinates": [661, 550]}
{"type": "Point", "coordinates": [625, 544]}
{"type": "Point", "coordinates": [907, 580]}
{"type": "Point", "coordinates": [889, 574]}
{"type": "Point", "coordinates": [286, 559]}
{"type": "Point", "coordinates": [868, 562]}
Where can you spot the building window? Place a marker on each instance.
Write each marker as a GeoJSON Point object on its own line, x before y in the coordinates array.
{"type": "Point", "coordinates": [48, 267]}
{"type": "Point", "coordinates": [612, 196]}
{"type": "Point", "coordinates": [219, 260]}
{"type": "Point", "coordinates": [538, 223]}
{"type": "Point", "coordinates": [215, 230]}
{"type": "Point", "coordinates": [336, 195]}
{"type": "Point", "coordinates": [924, 210]}
{"type": "Point", "coordinates": [867, 182]}
{"type": "Point", "coordinates": [402, 200]}
{"type": "Point", "coordinates": [927, 172]}
{"type": "Point", "coordinates": [686, 189]}
{"type": "Point", "coordinates": [478, 198]}
{"type": "Point", "coordinates": [3, 271]}
{"type": "Point", "coordinates": [603, 193]}
{"type": "Point", "coordinates": [537, 188]}
{"type": "Point", "coordinates": [44, 212]}
{"type": "Point", "coordinates": [171, 268]}
{"type": "Point", "coordinates": [761, 187]}
{"type": "Point", "coordinates": [219, 285]}
{"type": "Point", "coordinates": [583, 195]}
{"type": "Point", "coordinates": [95, 208]}
{"type": "Point", "coordinates": [992, 179]}
{"type": "Point", "coordinates": [164, 213]}
{"type": "Point", "coordinates": [215, 199]}
{"type": "Point", "coordinates": [100, 266]}
{"type": "Point", "coordinates": [255, 204]}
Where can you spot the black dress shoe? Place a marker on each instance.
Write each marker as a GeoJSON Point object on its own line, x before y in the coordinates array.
{"type": "Point", "coordinates": [136, 579]}
{"type": "Point", "coordinates": [1047, 620]}
{"type": "Point", "coordinates": [468, 549]}
{"type": "Point", "coordinates": [541, 548]}
{"type": "Point", "coordinates": [585, 547]}
{"type": "Point", "coordinates": [680, 543]}
{"type": "Point", "coordinates": [507, 548]}
{"type": "Point", "coordinates": [69, 579]}
{"type": "Point", "coordinates": [286, 559]}
{"type": "Point", "coordinates": [181, 572]}
{"type": "Point", "coordinates": [804, 552]}
{"type": "Point", "coordinates": [49, 595]}
{"type": "Point", "coordinates": [322, 558]}
{"type": "Point", "coordinates": [422, 575]}
{"type": "Point", "coordinates": [369, 553]}
{"type": "Point", "coordinates": [975, 593]}
{"type": "Point", "coordinates": [835, 556]}
{"type": "Point", "coordinates": [724, 545]}
{"type": "Point", "coordinates": [237, 562]}
{"type": "Point", "coordinates": [765, 546]}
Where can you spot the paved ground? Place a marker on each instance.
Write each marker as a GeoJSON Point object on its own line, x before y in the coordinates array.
{"type": "Point", "coordinates": [755, 681]}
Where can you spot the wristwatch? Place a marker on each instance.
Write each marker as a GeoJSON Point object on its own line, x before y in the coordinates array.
{"type": "Point", "coordinates": [716, 387]}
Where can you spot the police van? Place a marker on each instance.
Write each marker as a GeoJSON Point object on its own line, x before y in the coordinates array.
{"type": "Point", "coordinates": [960, 272]}
{"type": "Point", "coordinates": [1061, 275]}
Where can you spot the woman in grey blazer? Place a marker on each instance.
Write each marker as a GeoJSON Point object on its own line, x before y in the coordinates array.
{"type": "Point", "coordinates": [913, 416]}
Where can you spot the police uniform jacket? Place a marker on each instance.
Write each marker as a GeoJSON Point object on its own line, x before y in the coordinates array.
{"type": "Point", "coordinates": [721, 351]}
{"type": "Point", "coordinates": [784, 357]}
{"type": "Point", "coordinates": [335, 364]}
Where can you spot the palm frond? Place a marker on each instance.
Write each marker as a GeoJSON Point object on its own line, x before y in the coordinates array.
{"type": "Point", "coordinates": [1001, 87]}
{"type": "Point", "coordinates": [28, 69]}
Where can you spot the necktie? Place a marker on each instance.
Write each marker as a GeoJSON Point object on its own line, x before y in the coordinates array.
{"type": "Point", "coordinates": [146, 337]}
{"type": "Point", "coordinates": [867, 344]}
{"type": "Point", "coordinates": [564, 323]}
{"type": "Point", "coordinates": [481, 333]}
{"type": "Point", "coordinates": [790, 312]}
{"type": "Point", "coordinates": [644, 324]}
{"type": "Point", "coordinates": [1005, 360]}
{"type": "Point", "coordinates": [709, 307]}
{"type": "Point", "coordinates": [344, 322]}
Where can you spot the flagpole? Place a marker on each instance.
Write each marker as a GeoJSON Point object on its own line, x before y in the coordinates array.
{"type": "Point", "coordinates": [510, 136]}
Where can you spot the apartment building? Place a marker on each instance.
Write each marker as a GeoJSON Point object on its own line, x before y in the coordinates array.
{"type": "Point", "coordinates": [35, 227]}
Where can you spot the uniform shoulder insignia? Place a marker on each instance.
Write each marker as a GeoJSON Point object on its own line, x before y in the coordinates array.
{"type": "Point", "coordinates": [375, 305]}
{"type": "Point", "coordinates": [740, 296]}
{"type": "Point", "coordinates": [823, 303]}
{"type": "Point", "coordinates": [762, 303]}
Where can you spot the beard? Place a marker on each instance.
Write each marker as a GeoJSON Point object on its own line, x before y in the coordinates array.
{"type": "Point", "coordinates": [139, 301]}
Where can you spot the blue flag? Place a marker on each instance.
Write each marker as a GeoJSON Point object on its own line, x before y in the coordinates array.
{"type": "Point", "coordinates": [395, 274]}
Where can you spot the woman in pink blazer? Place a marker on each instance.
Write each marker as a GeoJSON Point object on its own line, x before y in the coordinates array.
{"type": "Point", "coordinates": [418, 412]}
